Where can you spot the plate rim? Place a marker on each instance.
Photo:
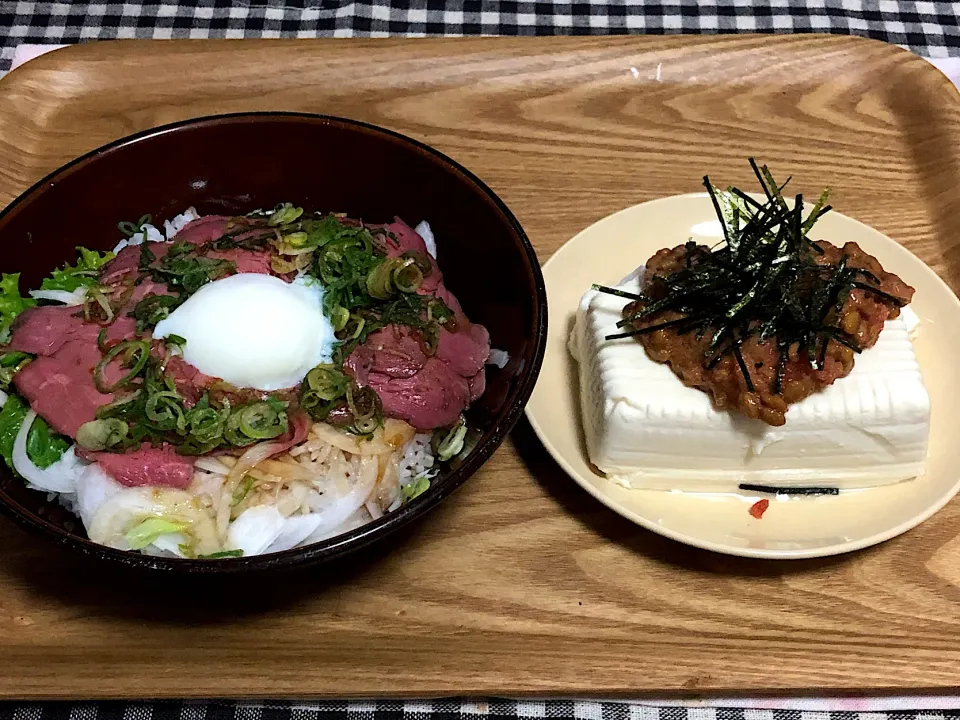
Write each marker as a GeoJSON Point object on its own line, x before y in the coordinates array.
{"type": "Point", "coordinates": [692, 540]}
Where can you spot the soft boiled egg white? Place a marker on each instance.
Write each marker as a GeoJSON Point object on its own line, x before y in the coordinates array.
{"type": "Point", "coordinates": [253, 330]}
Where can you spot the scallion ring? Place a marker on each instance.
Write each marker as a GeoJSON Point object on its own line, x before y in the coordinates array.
{"type": "Point", "coordinates": [119, 407]}
{"type": "Point", "coordinates": [339, 317]}
{"type": "Point", "coordinates": [422, 261]}
{"type": "Point", "coordinates": [165, 411]}
{"type": "Point", "coordinates": [353, 328]}
{"type": "Point", "coordinates": [408, 277]}
{"type": "Point", "coordinates": [136, 354]}
{"type": "Point", "coordinates": [452, 443]}
{"type": "Point", "coordinates": [90, 311]}
{"type": "Point", "coordinates": [97, 435]}
{"type": "Point", "coordinates": [364, 427]}
{"type": "Point", "coordinates": [363, 402]}
{"type": "Point", "coordinates": [261, 421]}
{"type": "Point", "coordinates": [380, 283]}
{"type": "Point", "coordinates": [205, 424]}
{"type": "Point", "coordinates": [326, 382]}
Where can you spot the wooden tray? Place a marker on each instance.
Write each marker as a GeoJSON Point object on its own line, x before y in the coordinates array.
{"type": "Point", "coordinates": [521, 583]}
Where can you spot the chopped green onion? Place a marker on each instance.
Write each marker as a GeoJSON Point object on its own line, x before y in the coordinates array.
{"type": "Point", "coordinates": [296, 239]}
{"type": "Point", "coordinates": [164, 410]}
{"type": "Point", "coordinates": [339, 317]}
{"type": "Point", "coordinates": [326, 382]}
{"type": "Point", "coordinates": [380, 280]}
{"type": "Point", "coordinates": [366, 426]}
{"type": "Point", "coordinates": [452, 442]}
{"type": "Point", "coordinates": [407, 277]}
{"type": "Point", "coordinates": [97, 308]}
{"type": "Point", "coordinates": [97, 435]}
{"type": "Point", "coordinates": [130, 229]}
{"type": "Point", "coordinates": [136, 353]}
{"type": "Point", "coordinates": [423, 262]}
{"type": "Point", "coordinates": [262, 421]}
{"type": "Point", "coordinates": [364, 403]}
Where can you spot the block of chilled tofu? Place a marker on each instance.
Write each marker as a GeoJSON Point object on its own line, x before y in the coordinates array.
{"type": "Point", "coordinates": [645, 429]}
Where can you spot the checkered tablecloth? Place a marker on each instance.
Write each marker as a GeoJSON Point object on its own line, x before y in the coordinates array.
{"type": "Point", "coordinates": [928, 28]}
{"type": "Point", "coordinates": [931, 29]}
{"type": "Point", "coordinates": [437, 710]}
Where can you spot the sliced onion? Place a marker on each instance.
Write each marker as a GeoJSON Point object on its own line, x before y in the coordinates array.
{"type": "Point", "coordinates": [337, 512]}
{"type": "Point", "coordinates": [211, 464]}
{"type": "Point", "coordinates": [296, 529]}
{"type": "Point", "coordinates": [77, 297]}
{"type": "Point", "coordinates": [94, 488]}
{"type": "Point", "coordinates": [255, 530]}
{"type": "Point", "coordinates": [61, 477]}
{"type": "Point", "coordinates": [254, 455]}
{"type": "Point", "coordinates": [349, 443]}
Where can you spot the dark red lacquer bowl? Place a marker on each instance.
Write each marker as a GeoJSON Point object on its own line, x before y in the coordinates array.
{"type": "Point", "coordinates": [236, 163]}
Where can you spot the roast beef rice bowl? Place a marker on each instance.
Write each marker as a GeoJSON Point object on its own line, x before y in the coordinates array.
{"type": "Point", "coordinates": [227, 386]}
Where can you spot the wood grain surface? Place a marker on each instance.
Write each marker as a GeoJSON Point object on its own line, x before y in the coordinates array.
{"type": "Point", "coordinates": [520, 583]}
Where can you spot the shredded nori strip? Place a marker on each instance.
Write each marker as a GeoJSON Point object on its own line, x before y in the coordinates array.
{"type": "Point", "coordinates": [767, 279]}
{"type": "Point", "coordinates": [772, 490]}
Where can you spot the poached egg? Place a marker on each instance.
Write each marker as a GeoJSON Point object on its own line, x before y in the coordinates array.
{"type": "Point", "coordinates": [253, 330]}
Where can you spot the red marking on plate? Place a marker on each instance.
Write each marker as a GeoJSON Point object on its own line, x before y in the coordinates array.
{"type": "Point", "coordinates": [759, 508]}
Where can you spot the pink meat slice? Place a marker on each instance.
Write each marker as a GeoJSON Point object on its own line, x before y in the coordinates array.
{"type": "Point", "coordinates": [426, 392]}
{"type": "Point", "coordinates": [147, 466]}
{"type": "Point", "coordinates": [60, 387]}
{"type": "Point", "coordinates": [394, 351]}
{"type": "Point", "coordinates": [432, 398]}
{"type": "Point", "coordinates": [44, 330]}
{"type": "Point", "coordinates": [467, 350]}
{"type": "Point", "coordinates": [128, 261]}
{"type": "Point", "coordinates": [59, 382]}
{"type": "Point", "coordinates": [203, 230]}
{"type": "Point", "coordinates": [246, 261]}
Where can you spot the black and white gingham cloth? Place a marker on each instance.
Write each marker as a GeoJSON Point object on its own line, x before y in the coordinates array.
{"type": "Point", "coordinates": [431, 710]}
{"type": "Point", "coordinates": [926, 27]}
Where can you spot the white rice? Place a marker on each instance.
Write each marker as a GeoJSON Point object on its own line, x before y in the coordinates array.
{"type": "Point", "coordinates": [151, 233]}
{"type": "Point", "coordinates": [500, 358]}
{"type": "Point", "coordinates": [424, 231]}
{"type": "Point", "coordinates": [417, 459]}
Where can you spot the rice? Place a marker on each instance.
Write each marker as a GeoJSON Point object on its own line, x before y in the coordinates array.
{"type": "Point", "coordinates": [327, 485]}
{"type": "Point", "coordinates": [417, 459]}
{"type": "Point", "coordinates": [425, 232]}
{"type": "Point", "coordinates": [500, 358]}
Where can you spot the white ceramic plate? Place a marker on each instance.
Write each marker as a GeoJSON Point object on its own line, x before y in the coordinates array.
{"type": "Point", "coordinates": [792, 527]}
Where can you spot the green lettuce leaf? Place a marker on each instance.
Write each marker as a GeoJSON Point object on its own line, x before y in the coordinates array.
{"type": "Point", "coordinates": [44, 447]}
{"type": "Point", "coordinates": [414, 489]}
{"type": "Point", "coordinates": [12, 303]}
{"type": "Point", "coordinates": [83, 274]}
{"type": "Point", "coordinates": [150, 529]}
